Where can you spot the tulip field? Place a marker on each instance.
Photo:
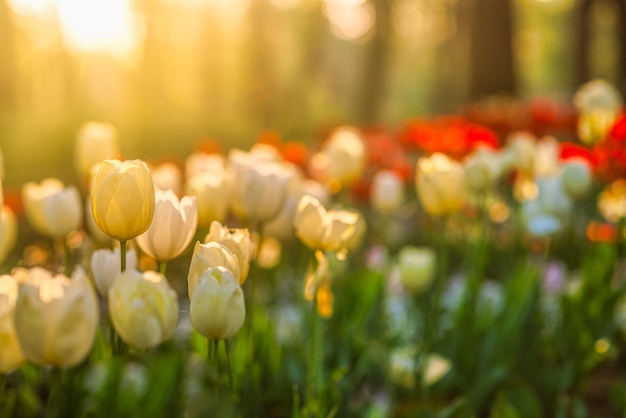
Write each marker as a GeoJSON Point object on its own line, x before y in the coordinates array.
{"type": "Point", "coordinates": [446, 267]}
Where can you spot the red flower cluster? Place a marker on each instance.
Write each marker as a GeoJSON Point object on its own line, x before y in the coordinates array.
{"type": "Point", "coordinates": [452, 135]}
{"type": "Point", "coordinates": [610, 153]}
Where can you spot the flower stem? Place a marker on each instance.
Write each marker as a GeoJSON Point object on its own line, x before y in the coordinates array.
{"type": "Point", "coordinates": [67, 256]}
{"type": "Point", "coordinates": [162, 267]}
{"type": "Point", "coordinates": [312, 367]}
{"type": "Point", "coordinates": [230, 369]}
{"type": "Point", "coordinates": [55, 396]}
{"type": "Point", "coordinates": [123, 255]}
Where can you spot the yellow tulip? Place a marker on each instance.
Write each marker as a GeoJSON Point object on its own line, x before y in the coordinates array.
{"type": "Point", "coordinates": [53, 209]}
{"type": "Point", "coordinates": [10, 352]}
{"type": "Point", "coordinates": [56, 318]}
{"type": "Point", "coordinates": [123, 198]}
{"type": "Point", "coordinates": [212, 192]}
{"type": "Point", "coordinates": [210, 255]}
{"type": "Point", "coordinates": [173, 226]}
{"type": "Point", "coordinates": [343, 158]}
{"type": "Point", "coordinates": [440, 184]}
{"type": "Point", "coordinates": [237, 240]}
{"type": "Point", "coordinates": [217, 307]}
{"type": "Point", "coordinates": [319, 229]}
{"type": "Point", "coordinates": [143, 308]}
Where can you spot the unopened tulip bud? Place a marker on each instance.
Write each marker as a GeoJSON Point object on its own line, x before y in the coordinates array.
{"type": "Point", "coordinates": [122, 198]}
{"type": "Point", "coordinates": [441, 185]}
{"type": "Point", "coordinates": [143, 307]}
{"type": "Point", "coordinates": [576, 177]}
{"type": "Point", "coordinates": [416, 267]}
{"type": "Point", "coordinates": [237, 240]}
{"type": "Point", "coordinates": [95, 143]}
{"type": "Point", "coordinates": [387, 193]}
{"type": "Point", "coordinates": [210, 255]}
{"type": "Point", "coordinates": [217, 307]}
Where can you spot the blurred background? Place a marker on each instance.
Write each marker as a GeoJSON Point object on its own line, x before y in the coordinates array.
{"type": "Point", "coordinates": [174, 74]}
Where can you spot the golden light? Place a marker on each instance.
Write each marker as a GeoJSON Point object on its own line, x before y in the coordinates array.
{"type": "Point", "coordinates": [31, 8]}
{"type": "Point", "coordinates": [109, 26]}
{"type": "Point", "coordinates": [349, 19]}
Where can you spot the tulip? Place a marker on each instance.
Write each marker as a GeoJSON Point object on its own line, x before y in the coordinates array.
{"type": "Point", "coordinates": [56, 318]}
{"type": "Point", "coordinates": [10, 352]}
{"type": "Point", "coordinates": [482, 169]}
{"type": "Point", "coordinates": [167, 176]}
{"type": "Point", "coordinates": [440, 185]}
{"type": "Point", "coordinates": [436, 368]}
{"type": "Point", "coordinates": [212, 192]}
{"type": "Point", "coordinates": [576, 177]}
{"type": "Point", "coordinates": [200, 162]}
{"type": "Point", "coordinates": [8, 232]}
{"type": "Point", "coordinates": [122, 198]}
{"type": "Point", "coordinates": [281, 226]}
{"type": "Point", "coordinates": [547, 214]}
{"type": "Point", "coordinates": [598, 103]}
{"type": "Point", "coordinates": [52, 209]}
{"type": "Point", "coordinates": [143, 308]}
{"type": "Point", "coordinates": [416, 267]}
{"type": "Point", "coordinates": [105, 267]}
{"type": "Point", "coordinates": [612, 201]}
{"type": "Point", "coordinates": [342, 158]}
{"type": "Point", "coordinates": [173, 226]}
{"type": "Point", "coordinates": [210, 255]}
{"type": "Point", "coordinates": [387, 193]}
{"type": "Point", "coordinates": [94, 231]}
{"type": "Point", "coordinates": [259, 186]}
{"type": "Point", "coordinates": [237, 240]}
{"type": "Point", "coordinates": [217, 307]}
{"type": "Point", "coordinates": [320, 229]}
{"type": "Point", "coordinates": [95, 143]}
{"type": "Point", "coordinates": [547, 157]}
{"type": "Point", "coordinates": [521, 149]}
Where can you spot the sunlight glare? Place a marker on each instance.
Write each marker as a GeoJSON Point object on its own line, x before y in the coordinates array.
{"type": "Point", "coordinates": [350, 19]}
{"type": "Point", "coordinates": [100, 25]}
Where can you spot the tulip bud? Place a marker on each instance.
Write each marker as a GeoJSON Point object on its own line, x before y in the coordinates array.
{"type": "Point", "coordinates": [547, 214]}
{"type": "Point", "coordinates": [522, 149]}
{"type": "Point", "coordinates": [8, 232]}
{"type": "Point", "coordinates": [173, 226]}
{"type": "Point", "coordinates": [612, 201]}
{"type": "Point", "coordinates": [167, 176]}
{"type": "Point", "coordinates": [237, 240]}
{"type": "Point", "coordinates": [344, 157]}
{"type": "Point", "coordinates": [56, 318]}
{"type": "Point", "coordinates": [318, 228]}
{"type": "Point", "coordinates": [482, 169]}
{"type": "Point", "coordinates": [598, 103]}
{"type": "Point", "coordinates": [200, 162]}
{"type": "Point", "coordinates": [436, 367]}
{"type": "Point", "coordinates": [10, 352]}
{"type": "Point", "coordinates": [259, 186]}
{"type": "Point", "coordinates": [122, 198]}
{"type": "Point", "coordinates": [576, 177]}
{"type": "Point", "coordinates": [210, 255]}
{"type": "Point", "coordinates": [217, 307]}
{"type": "Point", "coordinates": [106, 266]}
{"type": "Point", "coordinates": [95, 143]}
{"type": "Point", "coordinates": [52, 209]}
{"type": "Point", "coordinates": [440, 185]}
{"type": "Point", "coordinates": [212, 192]}
{"type": "Point", "coordinates": [387, 192]}
{"type": "Point", "coordinates": [143, 307]}
{"type": "Point", "coordinates": [416, 267]}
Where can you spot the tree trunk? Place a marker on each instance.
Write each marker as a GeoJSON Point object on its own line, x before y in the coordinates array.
{"type": "Point", "coordinates": [491, 52]}
{"type": "Point", "coordinates": [372, 91]}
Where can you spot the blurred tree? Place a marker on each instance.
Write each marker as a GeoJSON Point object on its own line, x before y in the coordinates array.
{"type": "Point", "coordinates": [491, 50]}
{"type": "Point", "coordinates": [373, 89]}
{"type": "Point", "coordinates": [7, 55]}
{"type": "Point", "coordinates": [585, 29]}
